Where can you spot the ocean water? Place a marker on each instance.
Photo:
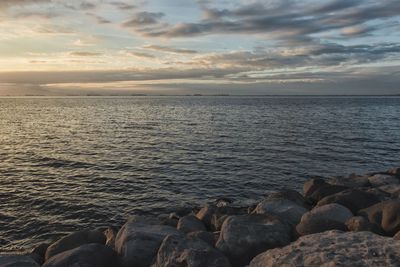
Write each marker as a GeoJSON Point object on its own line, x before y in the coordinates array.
{"type": "Point", "coordinates": [72, 163]}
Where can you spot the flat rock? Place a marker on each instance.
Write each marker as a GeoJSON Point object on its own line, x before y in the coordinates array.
{"type": "Point", "coordinates": [320, 219]}
{"type": "Point", "coordinates": [74, 240]}
{"type": "Point", "coordinates": [190, 223]}
{"type": "Point", "coordinates": [286, 209]}
{"type": "Point", "coordinates": [89, 255]}
{"type": "Point", "coordinates": [334, 248]}
{"type": "Point", "coordinates": [353, 199]}
{"type": "Point", "coordinates": [384, 214]}
{"type": "Point", "coordinates": [189, 252]}
{"type": "Point", "coordinates": [137, 242]}
{"type": "Point", "coordinates": [11, 260]}
{"type": "Point", "coordinates": [383, 179]}
{"type": "Point", "coordinates": [244, 236]}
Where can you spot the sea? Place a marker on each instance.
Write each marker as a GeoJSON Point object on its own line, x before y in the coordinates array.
{"type": "Point", "coordinates": [72, 163]}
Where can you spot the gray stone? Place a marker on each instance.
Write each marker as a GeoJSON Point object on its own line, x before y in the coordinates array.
{"type": "Point", "coordinates": [334, 248]}
{"type": "Point", "coordinates": [320, 219]}
{"type": "Point", "coordinates": [286, 209]}
{"type": "Point", "coordinates": [190, 223]}
{"type": "Point", "coordinates": [392, 189]}
{"type": "Point", "coordinates": [212, 213]}
{"type": "Point", "coordinates": [38, 253]}
{"type": "Point", "coordinates": [352, 181]}
{"type": "Point", "coordinates": [13, 260]}
{"type": "Point", "coordinates": [137, 242]}
{"type": "Point", "coordinates": [189, 252]}
{"type": "Point", "coordinates": [325, 191]}
{"type": "Point", "coordinates": [75, 240]}
{"type": "Point", "coordinates": [89, 255]}
{"type": "Point", "coordinates": [394, 171]}
{"type": "Point", "coordinates": [244, 236]}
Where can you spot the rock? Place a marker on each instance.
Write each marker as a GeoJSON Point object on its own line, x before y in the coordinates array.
{"type": "Point", "coordinates": [334, 248]}
{"type": "Point", "coordinates": [189, 252]}
{"type": "Point", "coordinates": [359, 224]}
{"type": "Point", "coordinates": [325, 191]}
{"type": "Point", "coordinates": [110, 234]}
{"type": "Point", "coordinates": [217, 221]}
{"type": "Point", "coordinates": [10, 260]}
{"type": "Point", "coordinates": [352, 199]}
{"type": "Point", "coordinates": [210, 213]}
{"type": "Point", "coordinates": [244, 236]}
{"type": "Point", "coordinates": [311, 185]}
{"type": "Point", "coordinates": [291, 195]}
{"type": "Point", "coordinates": [385, 214]}
{"type": "Point", "coordinates": [190, 223]}
{"type": "Point", "coordinates": [88, 255]}
{"type": "Point", "coordinates": [382, 179]}
{"type": "Point", "coordinates": [39, 253]}
{"type": "Point", "coordinates": [392, 189]}
{"type": "Point", "coordinates": [207, 237]}
{"type": "Point", "coordinates": [394, 171]}
{"type": "Point", "coordinates": [286, 209]}
{"type": "Point", "coordinates": [137, 242]}
{"type": "Point", "coordinates": [75, 240]}
{"type": "Point", "coordinates": [352, 181]}
{"type": "Point", "coordinates": [397, 236]}
{"type": "Point", "coordinates": [320, 219]}
{"type": "Point", "coordinates": [381, 195]}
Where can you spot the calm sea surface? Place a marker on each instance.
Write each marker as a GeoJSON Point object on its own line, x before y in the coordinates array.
{"type": "Point", "coordinates": [71, 163]}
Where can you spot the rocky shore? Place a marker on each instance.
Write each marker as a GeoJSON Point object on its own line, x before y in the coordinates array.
{"type": "Point", "coordinates": [338, 221]}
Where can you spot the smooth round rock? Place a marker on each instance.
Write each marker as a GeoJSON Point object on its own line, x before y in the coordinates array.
{"type": "Point", "coordinates": [89, 255]}
{"type": "Point", "coordinates": [12, 260]}
{"type": "Point", "coordinates": [137, 242]}
{"type": "Point", "coordinates": [190, 223]}
{"type": "Point", "coordinates": [74, 240]}
{"type": "Point", "coordinates": [243, 237]}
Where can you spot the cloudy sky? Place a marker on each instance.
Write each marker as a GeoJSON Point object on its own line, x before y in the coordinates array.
{"type": "Point", "coordinates": [211, 47]}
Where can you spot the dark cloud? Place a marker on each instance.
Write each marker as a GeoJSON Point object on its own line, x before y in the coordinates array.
{"type": "Point", "coordinates": [282, 21]}
{"type": "Point", "coordinates": [170, 49]}
{"type": "Point", "coordinates": [140, 54]}
{"type": "Point", "coordinates": [144, 18]}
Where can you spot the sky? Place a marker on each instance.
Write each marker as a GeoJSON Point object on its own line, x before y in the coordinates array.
{"type": "Point", "coordinates": [279, 47]}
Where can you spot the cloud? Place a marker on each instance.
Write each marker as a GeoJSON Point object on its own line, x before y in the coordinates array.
{"type": "Point", "coordinates": [281, 21]}
{"type": "Point", "coordinates": [170, 49]}
{"type": "Point", "coordinates": [123, 5]}
{"type": "Point", "coordinates": [139, 54]}
{"type": "Point", "coordinates": [99, 19]}
{"type": "Point", "coordinates": [85, 54]}
{"type": "Point", "coordinates": [144, 18]}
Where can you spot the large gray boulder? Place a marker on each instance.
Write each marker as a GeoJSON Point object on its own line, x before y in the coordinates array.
{"type": "Point", "coordinates": [75, 240]}
{"type": "Point", "coordinates": [137, 242]}
{"type": "Point", "coordinates": [353, 199]}
{"type": "Point", "coordinates": [334, 248]}
{"type": "Point", "coordinates": [385, 214]}
{"type": "Point", "coordinates": [289, 194]}
{"type": "Point", "coordinates": [324, 191]}
{"type": "Point", "coordinates": [89, 255]}
{"type": "Point", "coordinates": [190, 223]}
{"type": "Point", "coordinates": [12, 260]}
{"type": "Point", "coordinates": [284, 208]}
{"type": "Point", "coordinates": [189, 252]}
{"type": "Point", "coordinates": [320, 219]}
{"type": "Point", "coordinates": [212, 214]}
{"type": "Point", "coordinates": [243, 237]}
